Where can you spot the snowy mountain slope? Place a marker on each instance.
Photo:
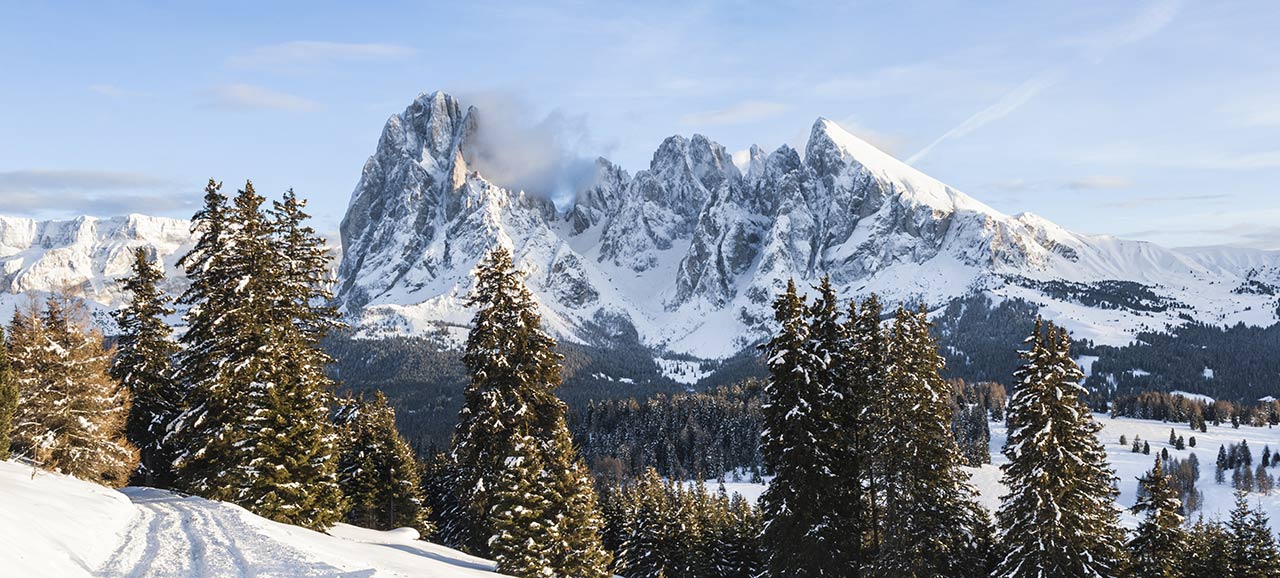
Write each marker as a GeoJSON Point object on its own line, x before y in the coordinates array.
{"type": "Point", "coordinates": [86, 256]}
{"type": "Point", "coordinates": [690, 251]}
{"type": "Point", "coordinates": [56, 526]}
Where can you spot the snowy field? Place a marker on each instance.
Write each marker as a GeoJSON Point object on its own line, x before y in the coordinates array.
{"type": "Point", "coordinates": [1218, 499]}
{"type": "Point", "coordinates": [56, 526]}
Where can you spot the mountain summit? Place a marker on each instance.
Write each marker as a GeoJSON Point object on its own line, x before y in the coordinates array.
{"type": "Point", "coordinates": [686, 255]}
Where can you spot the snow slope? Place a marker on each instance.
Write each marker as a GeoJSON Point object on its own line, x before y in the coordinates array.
{"type": "Point", "coordinates": [55, 526]}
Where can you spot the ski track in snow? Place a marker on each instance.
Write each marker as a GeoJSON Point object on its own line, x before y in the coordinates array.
{"type": "Point", "coordinates": [175, 536]}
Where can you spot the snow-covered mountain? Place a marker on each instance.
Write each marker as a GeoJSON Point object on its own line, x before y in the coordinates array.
{"type": "Point", "coordinates": [688, 253]}
{"type": "Point", "coordinates": [86, 256]}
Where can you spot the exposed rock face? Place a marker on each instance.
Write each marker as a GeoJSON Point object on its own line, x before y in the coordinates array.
{"type": "Point", "coordinates": [690, 251]}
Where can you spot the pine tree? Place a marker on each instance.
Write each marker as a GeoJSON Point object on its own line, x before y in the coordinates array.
{"type": "Point", "coordinates": [1251, 546]}
{"type": "Point", "coordinates": [256, 429]}
{"type": "Point", "coordinates": [862, 419]}
{"type": "Point", "coordinates": [1154, 550]}
{"type": "Point", "coordinates": [71, 415]}
{"type": "Point", "coordinates": [510, 404]}
{"type": "Point", "coordinates": [523, 533]}
{"type": "Point", "coordinates": [795, 419]}
{"type": "Point", "coordinates": [144, 364]}
{"type": "Point", "coordinates": [1204, 555]}
{"type": "Point", "coordinates": [8, 397]}
{"type": "Point", "coordinates": [1059, 517]}
{"type": "Point", "coordinates": [738, 551]}
{"type": "Point", "coordinates": [933, 525]}
{"type": "Point", "coordinates": [378, 472]}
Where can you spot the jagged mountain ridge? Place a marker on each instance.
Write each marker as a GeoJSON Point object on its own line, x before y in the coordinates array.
{"type": "Point", "coordinates": [685, 255]}
{"type": "Point", "coordinates": [86, 256]}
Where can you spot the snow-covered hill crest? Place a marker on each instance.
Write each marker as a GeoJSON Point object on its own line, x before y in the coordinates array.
{"type": "Point", "coordinates": [689, 251]}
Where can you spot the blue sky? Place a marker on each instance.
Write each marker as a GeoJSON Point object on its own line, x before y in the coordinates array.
{"type": "Point", "coordinates": [1151, 120]}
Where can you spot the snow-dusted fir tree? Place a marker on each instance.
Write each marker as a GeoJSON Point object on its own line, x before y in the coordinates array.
{"type": "Point", "coordinates": [510, 409]}
{"type": "Point", "coordinates": [1156, 548]}
{"type": "Point", "coordinates": [1204, 555]}
{"type": "Point", "coordinates": [1059, 517]}
{"type": "Point", "coordinates": [796, 417]}
{"type": "Point", "coordinates": [863, 412]}
{"type": "Point", "coordinates": [378, 472]}
{"type": "Point", "coordinates": [933, 525]}
{"type": "Point", "coordinates": [738, 549]}
{"type": "Point", "coordinates": [524, 536]}
{"type": "Point", "coordinates": [70, 415]}
{"type": "Point", "coordinates": [144, 364]}
{"type": "Point", "coordinates": [256, 429]}
{"type": "Point", "coordinates": [8, 396]}
{"type": "Point", "coordinates": [1251, 548]}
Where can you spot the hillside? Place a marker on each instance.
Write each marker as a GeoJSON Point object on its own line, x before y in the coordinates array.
{"type": "Point", "coordinates": [59, 527]}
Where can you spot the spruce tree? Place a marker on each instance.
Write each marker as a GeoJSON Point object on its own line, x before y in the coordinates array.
{"type": "Point", "coordinates": [1204, 555]}
{"type": "Point", "coordinates": [8, 397]}
{"type": "Point", "coordinates": [71, 415]}
{"type": "Point", "coordinates": [510, 412]}
{"type": "Point", "coordinates": [933, 525]}
{"type": "Point", "coordinates": [378, 472]}
{"type": "Point", "coordinates": [1252, 547]}
{"type": "Point", "coordinates": [1159, 540]}
{"type": "Point", "coordinates": [861, 420]}
{"type": "Point", "coordinates": [256, 429]}
{"type": "Point", "coordinates": [792, 446]}
{"type": "Point", "coordinates": [144, 364]}
{"type": "Point", "coordinates": [1059, 517]}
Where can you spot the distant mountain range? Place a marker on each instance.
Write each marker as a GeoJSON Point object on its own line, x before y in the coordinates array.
{"type": "Point", "coordinates": [685, 256]}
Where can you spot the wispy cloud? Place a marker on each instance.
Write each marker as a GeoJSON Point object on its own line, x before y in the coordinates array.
{"type": "Point", "coordinates": [40, 192]}
{"type": "Point", "coordinates": [1000, 109]}
{"type": "Point", "coordinates": [303, 53]}
{"type": "Point", "coordinates": [114, 91]}
{"type": "Point", "coordinates": [1082, 183]}
{"type": "Point", "coordinates": [249, 96]}
{"type": "Point", "coordinates": [1153, 18]}
{"type": "Point", "coordinates": [1129, 155]}
{"type": "Point", "coordinates": [1161, 199]}
{"type": "Point", "coordinates": [746, 111]}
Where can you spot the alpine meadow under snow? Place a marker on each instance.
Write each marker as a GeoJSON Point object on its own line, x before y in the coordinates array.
{"type": "Point", "coordinates": [179, 398]}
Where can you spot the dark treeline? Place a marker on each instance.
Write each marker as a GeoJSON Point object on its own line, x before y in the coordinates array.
{"type": "Point", "coordinates": [1241, 362]}
{"type": "Point", "coordinates": [716, 435]}
{"type": "Point", "coordinates": [682, 436]}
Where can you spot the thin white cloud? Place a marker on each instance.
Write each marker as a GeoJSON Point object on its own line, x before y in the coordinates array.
{"type": "Point", "coordinates": [746, 111]}
{"type": "Point", "coordinates": [114, 91]}
{"type": "Point", "coordinates": [1000, 109]}
{"type": "Point", "coordinates": [303, 53]}
{"type": "Point", "coordinates": [1151, 20]}
{"type": "Point", "coordinates": [1165, 157]}
{"type": "Point", "coordinates": [64, 192]}
{"type": "Point", "coordinates": [1099, 182]}
{"type": "Point", "coordinates": [63, 179]}
{"type": "Point", "coordinates": [249, 96]}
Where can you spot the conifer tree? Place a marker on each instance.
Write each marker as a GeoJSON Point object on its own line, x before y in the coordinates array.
{"type": "Point", "coordinates": [1059, 517]}
{"type": "Point", "coordinates": [256, 430]}
{"type": "Point", "coordinates": [8, 397]}
{"type": "Point", "coordinates": [792, 446]}
{"type": "Point", "coordinates": [1204, 555]}
{"type": "Point", "coordinates": [860, 413]}
{"type": "Point", "coordinates": [378, 472]}
{"type": "Point", "coordinates": [511, 412]}
{"type": "Point", "coordinates": [933, 525]}
{"type": "Point", "coordinates": [523, 535]}
{"type": "Point", "coordinates": [1251, 546]}
{"type": "Point", "coordinates": [144, 364]}
{"type": "Point", "coordinates": [1154, 550]}
{"type": "Point", "coordinates": [70, 415]}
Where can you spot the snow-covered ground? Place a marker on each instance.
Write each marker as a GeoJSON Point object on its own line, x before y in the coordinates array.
{"type": "Point", "coordinates": [56, 526]}
{"type": "Point", "coordinates": [1218, 499]}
